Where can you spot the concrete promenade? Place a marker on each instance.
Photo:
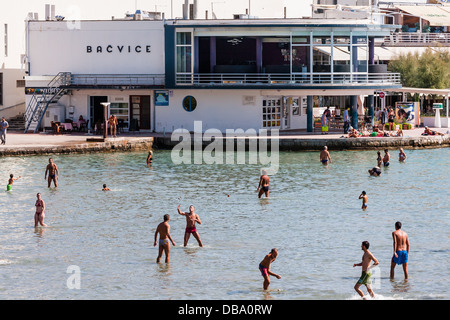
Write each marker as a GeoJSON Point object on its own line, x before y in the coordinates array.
{"type": "Point", "coordinates": [18, 143]}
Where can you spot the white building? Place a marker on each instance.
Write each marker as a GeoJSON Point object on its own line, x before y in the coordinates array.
{"type": "Point", "coordinates": [160, 75]}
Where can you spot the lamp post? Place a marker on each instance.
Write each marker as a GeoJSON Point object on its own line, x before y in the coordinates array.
{"type": "Point", "coordinates": [105, 113]}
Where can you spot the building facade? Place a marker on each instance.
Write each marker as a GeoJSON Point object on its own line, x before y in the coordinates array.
{"type": "Point", "coordinates": [161, 75]}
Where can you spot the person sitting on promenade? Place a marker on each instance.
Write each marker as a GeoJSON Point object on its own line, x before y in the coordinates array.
{"type": "Point", "coordinates": [429, 132]}
{"type": "Point", "coordinates": [399, 132]}
{"type": "Point", "coordinates": [353, 133]}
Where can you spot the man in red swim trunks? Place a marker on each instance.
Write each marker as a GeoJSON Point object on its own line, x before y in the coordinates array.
{"type": "Point", "coordinates": [191, 219]}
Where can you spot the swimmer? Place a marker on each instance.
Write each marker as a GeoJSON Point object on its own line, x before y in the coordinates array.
{"type": "Point", "coordinates": [105, 188]}
{"type": "Point", "coordinates": [191, 219]}
{"type": "Point", "coordinates": [325, 156]}
{"type": "Point", "coordinates": [363, 196]}
{"type": "Point", "coordinates": [386, 157]}
{"type": "Point", "coordinates": [375, 171]}
{"type": "Point", "coordinates": [379, 159]}
{"type": "Point", "coordinates": [53, 173]}
{"type": "Point", "coordinates": [401, 249]}
{"type": "Point", "coordinates": [150, 157]}
{"type": "Point", "coordinates": [263, 186]}
{"type": "Point", "coordinates": [401, 156]}
{"type": "Point", "coordinates": [264, 267]}
{"type": "Point", "coordinates": [40, 211]}
{"type": "Point", "coordinates": [365, 274]}
{"type": "Point", "coordinates": [164, 237]}
{"type": "Point", "coordinates": [10, 182]}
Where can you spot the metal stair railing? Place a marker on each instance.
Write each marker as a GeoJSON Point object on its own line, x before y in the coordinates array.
{"type": "Point", "coordinates": [39, 102]}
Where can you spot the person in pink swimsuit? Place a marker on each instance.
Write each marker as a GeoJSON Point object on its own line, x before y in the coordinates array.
{"type": "Point", "coordinates": [40, 211]}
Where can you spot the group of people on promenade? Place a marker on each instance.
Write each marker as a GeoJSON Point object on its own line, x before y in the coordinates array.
{"type": "Point", "coordinates": [400, 238]}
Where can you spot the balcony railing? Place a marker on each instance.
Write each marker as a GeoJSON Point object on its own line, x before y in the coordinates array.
{"type": "Point", "coordinates": [117, 80]}
{"type": "Point", "coordinates": [417, 38]}
{"type": "Point", "coordinates": [283, 79]}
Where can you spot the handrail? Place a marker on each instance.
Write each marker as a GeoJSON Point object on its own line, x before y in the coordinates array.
{"type": "Point", "coordinates": [418, 38]}
{"type": "Point", "coordinates": [39, 103]}
{"type": "Point", "coordinates": [117, 79]}
{"type": "Point", "coordinates": [13, 106]}
{"type": "Point", "coordinates": [292, 79]}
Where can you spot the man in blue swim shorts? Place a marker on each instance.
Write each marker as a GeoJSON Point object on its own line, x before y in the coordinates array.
{"type": "Point", "coordinates": [401, 249]}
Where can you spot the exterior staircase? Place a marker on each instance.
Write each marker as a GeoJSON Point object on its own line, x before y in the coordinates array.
{"type": "Point", "coordinates": [16, 123]}
{"type": "Point", "coordinates": [39, 102]}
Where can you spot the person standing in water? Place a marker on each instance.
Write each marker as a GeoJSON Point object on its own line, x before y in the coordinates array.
{"type": "Point", "coordinates": [379, 159]}
{"type": "Point", "coordinates": [40, 212]}
{"type": "Point", "coordinates": [264, 267]}
{"type": "Point", "coordinates": [365, 274]}
{"type": "Point", "coordinates": [191, 219]}
{"type": "Point", "coordinates": [363, 196]}
{"type": "Point", "coordinates": [386, 158]}
{"type": "Point", "coordinates": [325, 156]}
{"type": "Point", "coordinates": [263, 186]}
{"type": "Point", "coordinates": [10, 182]}
{"type": "Point", "coordinates": [401, 249]}
{"type": "Point", "coordinates": [164, 237]}
{"type": "Point", "coordinates": [53, 173]}
{"type": "Point", "coordinates": [401, 155]}
{"type": "Point", "coordinates": [150, 158]}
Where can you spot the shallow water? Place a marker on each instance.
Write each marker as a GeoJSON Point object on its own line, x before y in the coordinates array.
{"type": "Point", "coordinates": [313, 217]}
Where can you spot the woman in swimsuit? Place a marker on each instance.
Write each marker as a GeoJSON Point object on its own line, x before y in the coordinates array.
{"type": "Point", "coordinates": [40, 211]}
{"type": "Point", "coordinates": [401, 156]}
{"type": "Point", "coordinates": [391, 117]}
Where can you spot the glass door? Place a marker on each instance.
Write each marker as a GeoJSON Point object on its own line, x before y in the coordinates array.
{"type": "Point", "coordinates": [271, 113]}
{"type": "Point", "coordinates": [184, 56]}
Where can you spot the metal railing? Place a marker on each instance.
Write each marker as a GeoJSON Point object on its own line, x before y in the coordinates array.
{"type": "Point", "coordinates": [417, 38]}
{"type": "Point", "coordinates": [39, 102]}
{"type": "Point", "coordinates": [304, 79]}
{"type": "Point", "coordinates": [117, 79]}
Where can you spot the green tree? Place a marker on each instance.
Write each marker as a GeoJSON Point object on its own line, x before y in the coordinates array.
{"type": "Point", "coordinates": [428, 70]}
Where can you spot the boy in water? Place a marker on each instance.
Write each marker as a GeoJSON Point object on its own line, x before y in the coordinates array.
{"type": "Point", "coordinates": [191, 219]}
{"type": "Point", "coordinates": [10, 182]}
{"type": "Point", "coordinates": [365, 274]}
{"type": "Point", "coordinates": [164, 237]}
{"type": "Point", "coordinates": [264, 267]}
{"type": "Point", "coordinates": [263, 186]}
{"type": "Point", "coordinates": [363, 196]}
{"type": "Point", "coordinates": [105, 188]}
{"type": "Point", "coordinates": [386, 157]}
{"type": "Point", "coordinates": [401, 249]}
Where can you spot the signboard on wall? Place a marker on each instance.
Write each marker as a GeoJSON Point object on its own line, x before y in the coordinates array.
{"type": "Point", "coordinates": [161, 97]}
{"type": "Point", "coordinates": [97, 47]}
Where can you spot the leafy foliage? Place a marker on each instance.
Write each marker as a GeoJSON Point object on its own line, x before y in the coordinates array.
{"type": "Point", "coordinates": [429, 70]}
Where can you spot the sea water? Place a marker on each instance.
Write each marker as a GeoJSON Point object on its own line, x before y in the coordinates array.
{"type": "Point", "coordinates": [313, 217]}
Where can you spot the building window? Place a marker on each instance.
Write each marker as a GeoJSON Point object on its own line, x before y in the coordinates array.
{"type": "Point", "coordinates": [189, 103]}
{"type": "Point", "coordinates": [184, 56]}
{"type": "Point", "coordinates": [1, 88]}
{"type": "Point", "coordinates": [6, 39]}
{"type": "Point", "coordinates": [120, 110]}
{"type": "Point", "coordinates": [20, 83]}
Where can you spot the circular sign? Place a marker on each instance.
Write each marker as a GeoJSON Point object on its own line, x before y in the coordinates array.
{"type": "Point", "coordinates": [381, 94]}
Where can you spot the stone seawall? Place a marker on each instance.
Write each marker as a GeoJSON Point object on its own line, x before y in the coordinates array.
{"type": "Point", "coordinates": [113, 145]}
{"type": "Point", "coordinates": [313, 144]}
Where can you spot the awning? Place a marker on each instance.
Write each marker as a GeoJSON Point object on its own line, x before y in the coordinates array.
{"type": "Point", "coordinates": [437, 16]}
{"type": "Point", "coordinates": [390, 53]}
